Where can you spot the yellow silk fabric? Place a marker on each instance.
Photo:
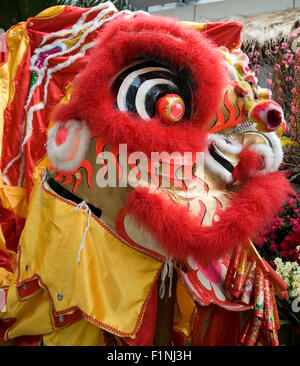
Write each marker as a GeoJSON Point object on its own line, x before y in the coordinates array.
{"type": "Point", "coordinates": [110, 284]}
{"type": "Point", "coordinates": [80, 333]}
{"type": "Point", "coordinates": [184, 308]}
{"type": "Point", "coordinates": [13, 198]}
{"type": "Point", "coordinates": [49, 13]}
{"type": "Point", "coordinates": [17, 43]}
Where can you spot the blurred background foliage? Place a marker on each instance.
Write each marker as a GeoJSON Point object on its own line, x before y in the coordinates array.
{"type": "Point", "coordinates": [15, 11]}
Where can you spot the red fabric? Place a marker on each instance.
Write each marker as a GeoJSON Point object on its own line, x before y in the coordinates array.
{"type": "Point", "coordinates": [5, 324]}
{"type": "Point", "coordinates": [6, 261]}
{"type": "Point", "coordinates": [224, 34]}
{"type": "Point", "coordinates": [12, 227]}
{"type": "Point", "coordinates": [260, 198]}
{"type": "Point", "coordinates": [178, 339]}
{"type": "Point", "coordinates": [198, 318]}
{"type": "Point", "coordinates": [62, 320]}
{"type": "Point", "coordinates": [145, 334]}
{"type": "Point", "coordinates": [28, 288]}
{"type": "Point", "coordinates": [35, 148]}
{"type": "Point", "coordinates": [31, 341]}
{"type": "Point", "coordinates": [223, 328]}
{"type": "Point", "coordinates": [124, 40]}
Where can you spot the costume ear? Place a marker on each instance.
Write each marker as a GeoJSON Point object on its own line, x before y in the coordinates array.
{"type": "Point", "coordinates": [67, 144]}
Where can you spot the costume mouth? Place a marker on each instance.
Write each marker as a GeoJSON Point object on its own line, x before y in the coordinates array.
{"type": "Point", "coordinates": [220, 158]}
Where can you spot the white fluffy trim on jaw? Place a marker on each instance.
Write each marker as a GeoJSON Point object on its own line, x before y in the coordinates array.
{"type": "Point", "coordinates": [68, 155]}
{"type": "Point", "coordinates": [227, 145]}
{"type": "Point", "coordinates": [273, 156]}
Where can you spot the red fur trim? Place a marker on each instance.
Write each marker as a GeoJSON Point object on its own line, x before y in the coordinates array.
{"type": "Point", "coordinates": [124, 40]}
{"type": "Point", "coordinates": [182, 235]}
{"type": "Point", "coordinates": [250, 162]}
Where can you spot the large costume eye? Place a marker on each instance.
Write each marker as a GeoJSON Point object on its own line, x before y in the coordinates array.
{"type": "Point", "coordinates": [141, 85]}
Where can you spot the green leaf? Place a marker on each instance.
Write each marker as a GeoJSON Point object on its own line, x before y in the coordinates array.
{"type": "Point", "coordinates": [284, 321]}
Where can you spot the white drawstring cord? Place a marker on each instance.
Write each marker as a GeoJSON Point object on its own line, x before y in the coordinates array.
{"type": "Point", "coordinates": [166, 270]}
{"type": "Point", "coordinates": [44, 176]}
{"type": "Point", "coordinates": [83, 205]}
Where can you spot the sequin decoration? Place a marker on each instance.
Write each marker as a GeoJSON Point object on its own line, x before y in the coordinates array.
{"type": "Point", "coordinates": [43, 55]}
{"type": "Point", "coordinates": [33, 78]}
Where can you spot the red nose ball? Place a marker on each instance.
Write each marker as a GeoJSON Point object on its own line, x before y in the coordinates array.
{"type": "Point", "coordinates": [170, 108]}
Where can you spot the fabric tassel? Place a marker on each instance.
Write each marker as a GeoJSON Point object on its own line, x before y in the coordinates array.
{"type": "Point", "coordinates": [83, 205]}
{"type": "Point", "coordinates": [167, 270]}
{"type": "Point", "coordinates": [44, 176]}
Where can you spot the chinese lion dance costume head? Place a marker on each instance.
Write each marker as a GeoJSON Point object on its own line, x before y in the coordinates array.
{"type": "Point", "coordinates": [110, 253]}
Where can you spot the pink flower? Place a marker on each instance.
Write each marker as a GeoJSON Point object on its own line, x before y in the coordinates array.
{"type": "Point", "coordinates": [284, 45]}
{"type": "Point", "coordinates": [269, 81]}
{"type": "Point", "coordinates": [273, 236]}
{"type": "Point", "coordinates": [250, 54]}
{"type": "Point", "coordinates": [274, 41]}
{"type": "Point", "coordinates": [294, 222]}
{"type": "Point", "coordinates": [279, 90]}
{"type": "Point", "coordinates": [293, 35]}
{"type": "Point", "coordinates": [255, 60]}
{"type": "Point", "coordinates": [256, 53]}
{"type": "Point", "coordinates": [267, 52]}
{"type": "Point", "coordinates": [274, 247]}
{"type": "Point", "coordinates": [259, 243]}
{"type": "Point", "coordinates": [277, 67]}
{"type": "Point", "coordinates": [288, 78]}
{"type": "Point", "coordinates": [289, 57]}
{"type": "Point", "coordinates": [294, 90]}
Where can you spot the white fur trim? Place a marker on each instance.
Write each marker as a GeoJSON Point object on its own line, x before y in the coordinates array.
{"type": "Point", "coordinates": [216, 168]}
{"type": "Point", "coordinates": [27, 130]}
{"type": "Point", "coordinates": [58, 154]}
{"type": "Point", "coordinates": [234, 147]}
{"type": "Point", "coordinates": [272, 156]}
{"type": "Point", "coordinates": [103, 6]}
